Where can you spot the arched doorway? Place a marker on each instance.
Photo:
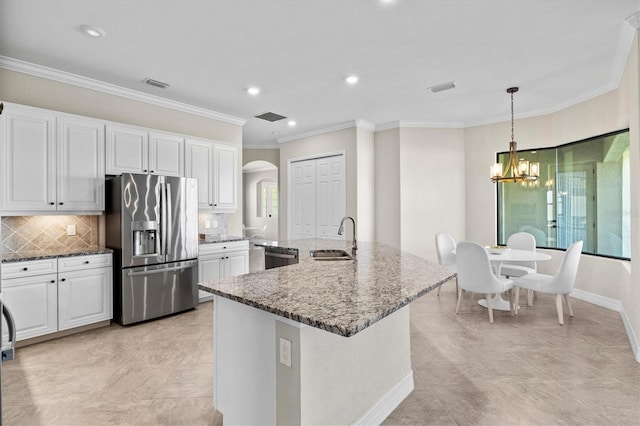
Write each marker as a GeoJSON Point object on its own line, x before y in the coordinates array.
{"type": "Point", "coordinates": [261, 200]}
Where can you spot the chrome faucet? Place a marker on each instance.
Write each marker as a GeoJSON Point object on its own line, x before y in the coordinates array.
{"type": "Point", "coordinates": [341, 230]}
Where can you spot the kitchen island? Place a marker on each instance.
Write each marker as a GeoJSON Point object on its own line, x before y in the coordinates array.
{"type": "Point", "coordinates": [318, 342]}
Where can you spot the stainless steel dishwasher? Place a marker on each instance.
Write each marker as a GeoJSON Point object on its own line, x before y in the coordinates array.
{"type": "Point", "coordinates": [274, 257]}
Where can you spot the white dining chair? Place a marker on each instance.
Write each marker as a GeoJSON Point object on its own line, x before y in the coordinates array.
{"type": "Point", "coordinates": [475, 275]}
{"type": "Point", "coordinates": [520, 241]}
{"type": "Point", "coordinates": [445, 245]}
{"type": "Point", "coordinates": [559, 284]}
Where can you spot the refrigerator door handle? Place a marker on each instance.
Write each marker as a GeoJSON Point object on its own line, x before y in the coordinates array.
{"type": "Point", "coordinates": [8, 353]}
{"type": "Point", "coordinates": [169, 221]}
{"type": "Point", "coordinates": [163, 220]}
{"type": "Point", "coordinates": [157, 271]}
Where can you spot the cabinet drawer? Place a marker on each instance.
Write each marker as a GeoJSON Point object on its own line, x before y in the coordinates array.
{"type": "Point", "coordinates": [205, 249]}
{"type": "Point", "coordinates": [75, 263]}
{"type": "Point", "coordinates": [29, 268]}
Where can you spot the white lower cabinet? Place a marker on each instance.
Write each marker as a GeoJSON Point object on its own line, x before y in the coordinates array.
{"type": "Point", "coordinates": [84, 297]}
{"type": "Point", "coordinates": [221, 260]}
{"type": "Point", "coordinates": [33, 301]}
{"type": "Point", "coordinates": [52, 295]}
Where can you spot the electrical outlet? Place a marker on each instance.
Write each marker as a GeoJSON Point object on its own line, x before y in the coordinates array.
{"type": "Point", "coordinates": [207, 224]}
{"type": "Point", "coordinates": [215, 223]}
{"type": "Point", "coordinates": [71, 230]}
{"type": "Point", "coordinates": [285, 352]}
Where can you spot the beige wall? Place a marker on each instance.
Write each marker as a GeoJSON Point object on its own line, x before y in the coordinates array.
{"type": "Point", "coordinates": [630, 294]}
{"type": "Point", "coordinates": [344, 140]}
{"type": "Point", "coordinates": [270, 155]}
{"type": "Point", "coordinates": [431, 188]}
{"type": "Point", "coordinates": [387, 187]}
{"type": "Point", "coordinates": [365, 186]}
{"type": "Point", "coordinates": [251, 218]}
{"type": "Point", "coordinates": [40, 92]}
{"type": "Point", "coordinates": [611, 111]}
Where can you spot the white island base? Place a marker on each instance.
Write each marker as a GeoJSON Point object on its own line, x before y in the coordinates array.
{"type": "Point", "coordinates": [332, 379]}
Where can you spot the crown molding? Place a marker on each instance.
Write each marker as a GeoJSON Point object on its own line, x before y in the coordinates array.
{"type": "Point", "coordinates": [111, 89]}
{"type": "Point", "coordinates": [398, 124]}
{"type": "Point", "coordinates": [340, 126]}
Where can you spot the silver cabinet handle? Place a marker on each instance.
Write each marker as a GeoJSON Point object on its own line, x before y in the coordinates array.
{"type": "Point", "coordinates": [157, 271]}
{"type": "Point", "coordinates": [7, 353]}
{"type": "Point", "coordinates": [280, 255]}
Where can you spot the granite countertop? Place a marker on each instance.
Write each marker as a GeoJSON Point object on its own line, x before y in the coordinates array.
{"type": "Point", "coordinates": [342, 297]}
{"type": "Point", "coordinates": [227, 239]}
{"type": "Point", "coordinates": [49, 254]}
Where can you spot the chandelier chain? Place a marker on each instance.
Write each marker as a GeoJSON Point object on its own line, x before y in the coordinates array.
{"type": "Point", "coordinates": [512, 133]}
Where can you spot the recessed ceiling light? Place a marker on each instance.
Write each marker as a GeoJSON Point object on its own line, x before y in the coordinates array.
{"type": "Point", "coordinates": [291, 123]}
{"type": "Point", "coordinates": [275, 133]}
{"type": "Point", "coordinates": [253, 91]}
{"type": "Point", "coordinates": [93, 31]}
{"type": "Point", "coordinates": [352, 79]}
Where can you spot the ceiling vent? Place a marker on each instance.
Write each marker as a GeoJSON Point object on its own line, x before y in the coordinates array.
{"type": "Point", "coordinates": [156, 83]}
{"type": "Point", "coordinates": [442, 87]}
{"type": "Point", "coordinates": [271, 116]}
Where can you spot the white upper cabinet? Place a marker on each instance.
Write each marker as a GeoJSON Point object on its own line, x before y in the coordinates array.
{"type": "Point", "coordinates": [127, 150]}
{"type": "Point", "coordinates": [50, 161]}
{"type": "Point", "coordinates": [80, 152]}
{"type": "Point", "coordinates": [27, 145]}
{"type": "Point", "coordinates": [199, 165]}
{"type": "Point", "coordinates": [225, 177]}
{"type": "Point", "coordinates": [215, 167]}
{"type": "Point", "coordinates": [166, 154]}
{"type": "Point", "coordinates": [133, 149]}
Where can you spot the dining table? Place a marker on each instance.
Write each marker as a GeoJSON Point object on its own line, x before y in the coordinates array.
{"type": "Point", "coordinates": [503, 255]}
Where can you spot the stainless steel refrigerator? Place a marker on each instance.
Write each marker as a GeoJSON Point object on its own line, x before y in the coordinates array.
{"type": "Point", "coordinates": [152, 226]}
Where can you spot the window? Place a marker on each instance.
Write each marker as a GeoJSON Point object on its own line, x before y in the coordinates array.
{"type": "Point", "coordinates": [267, 199]}
{"type": "Point", "coordinates": [582, 194]}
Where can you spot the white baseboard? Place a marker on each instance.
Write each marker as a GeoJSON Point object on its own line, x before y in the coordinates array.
{"type": "Point", "coordinates": [614, 305]}
{"type": "Point", "coordinates": [388, 403]}
{"type": "Point", "coordinates": [633, 340]}
{"type": "Point", "coordinates": [596, 299]}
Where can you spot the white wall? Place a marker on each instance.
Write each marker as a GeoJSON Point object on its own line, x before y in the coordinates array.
{"type": "Point", "coordinates": [40, 92]}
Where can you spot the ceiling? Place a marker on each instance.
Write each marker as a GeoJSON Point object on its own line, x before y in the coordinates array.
{"type": "Point", "coordinates": [299, 52]}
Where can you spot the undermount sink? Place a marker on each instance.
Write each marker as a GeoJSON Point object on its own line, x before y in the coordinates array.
{"type": "Point", "coordinates": [331, 254]}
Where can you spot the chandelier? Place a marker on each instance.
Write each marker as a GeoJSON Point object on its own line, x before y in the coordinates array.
{"type": "Point", "coordinates": [518, 170]}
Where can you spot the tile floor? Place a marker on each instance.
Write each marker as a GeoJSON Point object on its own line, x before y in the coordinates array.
{"type": "Point", "coordinates": [524, 370]}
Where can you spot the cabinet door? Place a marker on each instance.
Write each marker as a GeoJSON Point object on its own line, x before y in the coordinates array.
{"type": "Point", "coordinates": [27, 159]}
{"type": "Point", "coordinates": [84, 297]}
{"type": "Point", "coordinates": [330, 196]}
{"type": "Point", "coordinates": [237, 263]}
{"type": "Point", "coordinates": [34, 303]}
{"type": "Point", "coordinates": [225, 178]}
{"type": "Point", "coordinates": [80, 164]}
{"type": "Point", "coordinates": [166, 154]}
{"type": "Point", "coordinates": [303, 199]}
{"type": "Point", "coordinates": [210, 268]}
{"type": "Point", "coordinates": [127, 150]}
{"type": "Point", "coordinates": [199, 164]}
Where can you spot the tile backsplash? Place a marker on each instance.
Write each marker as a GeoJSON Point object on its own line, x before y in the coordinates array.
{"type": "Point", "coordinates": [217, 223]}
{"type": "Point", "coordinates": [35, 233]}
